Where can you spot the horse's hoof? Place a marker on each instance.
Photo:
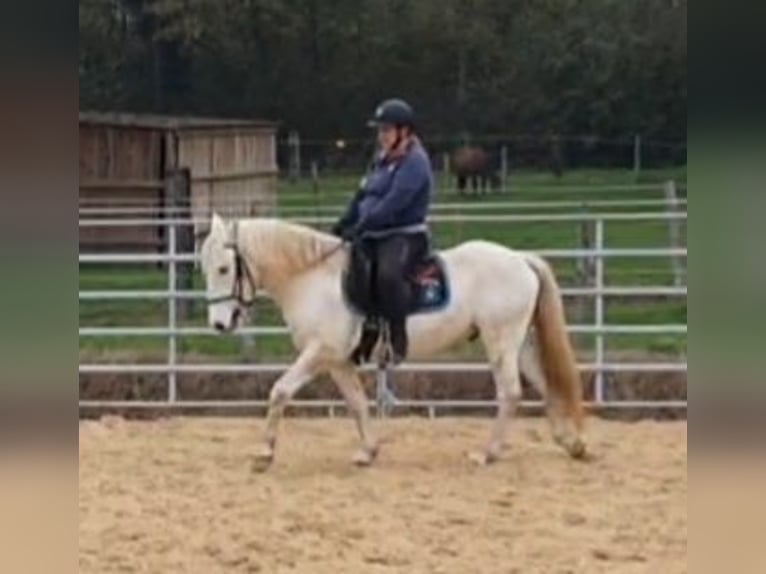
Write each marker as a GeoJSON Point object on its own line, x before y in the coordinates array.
{"type": "Point", "coordinates": [262, 460]}
{"type": "Point", "coordinates": [577, 449]}
{"type": "Point", "coordinates": [574, 446]}
{"type": "Point", "coordinates": [262, 463]}
{"type": "Point", "coordinates": [365, 456]}
{"type": "Point", "coordinates": [482, 458]}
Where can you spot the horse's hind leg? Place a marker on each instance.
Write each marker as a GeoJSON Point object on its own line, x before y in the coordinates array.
{"type": "Point", "coordinates": [563, 428]}
{"type": "Point", "coordinates": [503, 353]}
{"type": "Point", "coordinates": [347, 380]}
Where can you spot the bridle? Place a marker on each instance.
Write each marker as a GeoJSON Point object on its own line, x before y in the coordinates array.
{"type": "Point", "coordinates": [242, 273]}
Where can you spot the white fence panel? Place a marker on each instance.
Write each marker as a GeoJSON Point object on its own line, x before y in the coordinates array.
{"type": "Point", "coordinates": [171, 331]}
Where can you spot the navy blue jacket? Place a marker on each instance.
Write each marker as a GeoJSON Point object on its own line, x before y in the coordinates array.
{"type": "Point", "coordinates": [395, 193]}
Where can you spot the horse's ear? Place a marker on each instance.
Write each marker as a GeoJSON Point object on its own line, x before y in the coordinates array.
{"type": "Point", "coordinates": [217, 226]}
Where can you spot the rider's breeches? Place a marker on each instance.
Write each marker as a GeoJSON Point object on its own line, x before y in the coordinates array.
{"type": "Point", "coordinates": [395, 258]}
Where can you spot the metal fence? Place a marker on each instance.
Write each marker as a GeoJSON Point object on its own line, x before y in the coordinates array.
{"type": "Point", "coordinates": [501, 154]}
{"type": "Point", "coordinates": [598, 255]}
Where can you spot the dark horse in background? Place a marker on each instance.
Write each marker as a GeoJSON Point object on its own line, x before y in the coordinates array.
{"type": "Point", "coordinates": [473, 166]}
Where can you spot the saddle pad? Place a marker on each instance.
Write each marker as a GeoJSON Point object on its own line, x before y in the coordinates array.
{"type": "Point", "coordinates": [431, 286]}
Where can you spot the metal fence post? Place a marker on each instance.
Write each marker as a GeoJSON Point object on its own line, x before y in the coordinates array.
{"type": "Point", "coordinates": [674, 233]}
{"type": "Point", "coordinates": [586, 265]}
{"type": "Point", "coordinates": [599, 312]}
{"type": "Point", "coordinates": [178, 198]}
{"type": "Point", "coordinates": [172, 319]}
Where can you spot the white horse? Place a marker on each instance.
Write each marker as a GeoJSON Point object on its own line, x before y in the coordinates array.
{"type": "Point", "coordinates": [494, 290]}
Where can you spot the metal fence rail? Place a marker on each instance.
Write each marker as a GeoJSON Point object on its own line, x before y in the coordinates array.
{"type": "Point", "coordinates": [230, 368]}
{"type": "Point", "coordinates": [435, 219]}
{"type": "Point", "coordinates": [276, 331]}
{"type": "Point", "coordinates": [598, 255]}
{"type": "Point", "coordinates": [326, 190]}
{"type": "Point", "coordinates": [116, 294]}
{"type": "Point", "coordinates": [337, 207]}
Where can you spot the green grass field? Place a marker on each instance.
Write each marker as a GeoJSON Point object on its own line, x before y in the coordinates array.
{"type": "Point", "coordinates": [582, 187]}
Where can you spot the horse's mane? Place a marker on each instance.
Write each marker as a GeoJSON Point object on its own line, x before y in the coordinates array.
{"type": "Point", "coordinates": [283, 249]}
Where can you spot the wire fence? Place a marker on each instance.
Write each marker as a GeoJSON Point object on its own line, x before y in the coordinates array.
{"type": "Point", "coordinates": [499, 155]}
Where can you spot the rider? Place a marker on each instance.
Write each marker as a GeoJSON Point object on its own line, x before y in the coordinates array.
{"type": "Point", "coordinates": [386, 220]}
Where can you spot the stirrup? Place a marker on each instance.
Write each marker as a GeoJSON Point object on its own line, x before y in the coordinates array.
{"type": "Point", "coordinates": [387, 357]}
{"type": "Point", "coordinates": [392, 358]}
{"type": "Point", "coordinates": [385, 398]}
{"type": "Point", "coordinates": [385, 351]}
{"type": "Point", "coordinates": [371, 329]}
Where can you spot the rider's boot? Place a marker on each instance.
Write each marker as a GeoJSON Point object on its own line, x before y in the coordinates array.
{"type": "Point", "coordinates": [370, 334]}
{"type": "Point", "coordinates": [398, 329]}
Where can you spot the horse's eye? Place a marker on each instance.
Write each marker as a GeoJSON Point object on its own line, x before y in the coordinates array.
{"type": "Point", "coordinates": [223, 269]}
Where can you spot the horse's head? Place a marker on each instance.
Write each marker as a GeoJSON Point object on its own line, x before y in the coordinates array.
{"type": "Point", "coordinates": [230, 282]}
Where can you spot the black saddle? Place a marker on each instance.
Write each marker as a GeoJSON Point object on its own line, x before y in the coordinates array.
{"type": "Point", "coordinates": [430, 292]}
{"type": "Point", "coordinates": [429, 282]}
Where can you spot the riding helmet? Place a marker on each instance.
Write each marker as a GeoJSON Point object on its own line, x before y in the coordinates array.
{"type": "Point", "coordinates": [393, 111]}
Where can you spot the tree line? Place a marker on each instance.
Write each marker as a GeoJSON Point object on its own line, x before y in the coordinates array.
{"type": "Point", "coordinates": [610, 68]}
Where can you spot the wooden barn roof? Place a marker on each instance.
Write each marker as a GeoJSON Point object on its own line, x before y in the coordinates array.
{"type": "Point", "coordinates": [175, 123]}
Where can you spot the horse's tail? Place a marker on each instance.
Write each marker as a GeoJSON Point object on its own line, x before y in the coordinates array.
{"type": "Point", "coordinates": [564, 388]}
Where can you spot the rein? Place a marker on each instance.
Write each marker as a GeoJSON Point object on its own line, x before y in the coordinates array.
{"type": "Point", "coordinates": [329, 253]}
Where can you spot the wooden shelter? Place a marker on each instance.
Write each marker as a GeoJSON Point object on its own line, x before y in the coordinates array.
{"type": "Point", "coordinates": [126, 162]}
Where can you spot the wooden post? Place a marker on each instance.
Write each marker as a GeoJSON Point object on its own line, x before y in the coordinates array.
{"type": "Point", "coordinates": [446, 176]}
{"type": "Point", "coordinates": [557, 156]}
{"type": "Point", "coordinates": [674, 233]}
{"type": "Point", "coordinates": [177, 198]}
{"type": "Point", "coordinates": [636, 156]}
{"type": "Point", "coordinates": [294, 145]}
{"type": "Point", "coordinates": [315, 188]}
{"type": "Point", "coordinates": [504, 169]}
{"type": "Point", "coordinates": [315, 176]}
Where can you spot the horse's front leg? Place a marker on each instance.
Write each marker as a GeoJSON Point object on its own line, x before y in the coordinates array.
{"type": "Point", "coordinates": [299, 373]}
{"type": "Point", "coordinates": [505, 368]}
{"type": "Point", "coordinates": [346, 378]}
